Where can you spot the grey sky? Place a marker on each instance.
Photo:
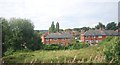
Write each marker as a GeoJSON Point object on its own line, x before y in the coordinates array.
{"type": "Point", "coordinates": [69, 13]}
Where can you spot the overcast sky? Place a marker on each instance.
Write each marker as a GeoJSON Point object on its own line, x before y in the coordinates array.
{"type": "Point", "coordinates": [69, 13]}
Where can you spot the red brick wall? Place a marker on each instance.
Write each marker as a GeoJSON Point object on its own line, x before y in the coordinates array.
{"type": "Point", "coordinates": [58, 41]}
{"type": "Point", "coordinates": [96, 38]}
{"type": "Point", "coordinates": [83, 38]}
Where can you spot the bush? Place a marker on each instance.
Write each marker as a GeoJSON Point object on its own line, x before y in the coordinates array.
{"type": "Point", "coordinates": [60, 47]}
{"type": "Point", "coordinates": [9, 51]}
{"type": "Point", "coordinates": [112, 52]}
{"type": "Point", "coordinates": [53, 47]}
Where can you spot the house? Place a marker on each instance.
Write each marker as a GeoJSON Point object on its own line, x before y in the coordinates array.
{"type": "Point", "coordinates": [57, 38]}
{"type": "Point", "coordinates": [95, 36]}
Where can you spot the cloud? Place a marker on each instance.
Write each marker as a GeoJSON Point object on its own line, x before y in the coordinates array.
{"type": "Point", "coordinates": [69, 13]}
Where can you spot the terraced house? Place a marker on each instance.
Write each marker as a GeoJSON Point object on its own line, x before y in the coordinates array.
{"type": "Point", "coordinates": [57, 38]}
{"type": "Point", "coordinates": [95, 36]}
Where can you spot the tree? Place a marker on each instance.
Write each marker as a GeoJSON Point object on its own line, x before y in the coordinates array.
{"type": "Point", "coordinates": [77, 29]}
{"type": "Point", "coordinates": [111, 26]}
{"type": "Point", "coordinates": [36, 41]}
{"type": "Point", "coordinates": [16, 34]}
{"type": "Point", "coordinates": [6, 35]}
{"type": "Point", "coordinates": [100, 25]}
{"type": "Point", "coordinates": [68, 30]}
{"type": "Point", "coordinates": [22, 32]}
{"type": "Point", "coordinates": [85, 28]}
{"type": "Point", "coordinates": [57, 27]}
{"type": "Point", "coordinates": [52, 28]}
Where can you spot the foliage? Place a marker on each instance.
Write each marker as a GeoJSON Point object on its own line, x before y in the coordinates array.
{"type": "Point", "coordinates": [100, 25]}
{"type": "Point", "coordinates": [57, 27]}
{"type": "Point", "coordinates": [111, 26]}
{"type": "Point", "coordinates": [52, 28]}
{"type": "Point", "coordinates": [18, 34]}
{"type": "Point", "coordinates": [72, 46]}
{"type": "Point", "coordinates": [112, 52]}
{"type": "Point", "coordinates": [9, 51]}
{"type": "Point", "coordinates": [86, 55]}
{"type": "Point", "coordinates": [85, 28]}
{"type": "Point", "coordinates": [36, 42]}
{"type": "Point", "coordinates": [53, 47]}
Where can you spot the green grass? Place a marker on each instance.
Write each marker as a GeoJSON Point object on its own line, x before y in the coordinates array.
{"type": "Point", "coordinates": [92, 54]}
{"type": "Point", "coordinates": [54, 56]}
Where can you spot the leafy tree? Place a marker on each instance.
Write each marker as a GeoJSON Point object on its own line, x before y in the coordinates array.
{"type": "Point", "coordinates": [22, 32]}
{"type": "Point", "coordinates": [68, 29]}
{"type": "Point", "coordinates": [6, 34]}
{"type": "Point", "coordinates": [52, 28]}
{"type": "Point", "coordinates": [57, 27]}
{"type": "Point", "coordinates": [111, 26]}
{"type": "Point", "coordinates": [85, 28]}
{"type": "Point", "coordinates": [100, 25]}
{"type": "Point", "coordinates": [61, 30]}
{"type": "Point", "coordinates": [77, 29]}
{"type": "Point", "coordinates": [36, 41]}
{"type": "Point", "coordinates": [16, 34]}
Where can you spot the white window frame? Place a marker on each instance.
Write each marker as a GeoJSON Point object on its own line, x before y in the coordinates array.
{"type": "Point", "coordinates": [99, 36]}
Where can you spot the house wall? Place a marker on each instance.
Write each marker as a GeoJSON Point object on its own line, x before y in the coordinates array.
{"type": "Point", "coordinates": [43, 38]}
{"type": "Point", "coordinates": [82, 38]}
{"type": "Point", "coordinates": [92, 39]}
{"type": "Point", "coordinates": [58, 41]}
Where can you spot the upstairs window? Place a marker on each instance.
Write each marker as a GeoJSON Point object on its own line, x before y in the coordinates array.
{"type": "Point", "coordinates": [63, 38]}
{"type": "Point", "coordinates": [47, 39]}
{"type": "Point", "coordinates": [99, 36]}
{"type": "Point", "coordinates": [86, 36]}
{"type": "Point", "coordinates": [55, 39]}
{"type": "Point", "coordinates": [94, 36]}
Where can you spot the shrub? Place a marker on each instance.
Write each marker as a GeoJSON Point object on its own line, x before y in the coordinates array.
{"type": "Point", "coordinates": [9, 51]}
{"type": "Point", "coordinates": [112, 52]}
{"type": "Point", "coordinates": [53, 47]}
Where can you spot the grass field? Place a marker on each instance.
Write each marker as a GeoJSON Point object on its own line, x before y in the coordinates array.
{"type": "Point", "coordinates": [93, 54]}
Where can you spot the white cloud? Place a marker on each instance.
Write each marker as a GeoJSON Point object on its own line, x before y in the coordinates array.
{"type": "Point", "coordinates": [69, 13]}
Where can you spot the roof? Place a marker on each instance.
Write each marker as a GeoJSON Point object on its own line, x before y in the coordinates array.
{"type": "Point", "coordinates": [98, 32]}
{"type": "Point", "coordinates": [59, 35]}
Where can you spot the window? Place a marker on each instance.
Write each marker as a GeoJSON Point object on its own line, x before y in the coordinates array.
{"type": "Point", "coordinates": [55, 39]}
{"type": "Point", "coordinates": [63, 38]}
{"type": "Point", "coordinates": [99, 36]}
{"type": "Point", "coordinates": [47, 39]}
{"type": "Point", "coordinates": [86, 36]}
{"type": "Point", "coordinates": [62, 44]}
{"type": "Point", "coordinates": [68, 39]}
{"type": "Point", "coordinates": [94, 37]}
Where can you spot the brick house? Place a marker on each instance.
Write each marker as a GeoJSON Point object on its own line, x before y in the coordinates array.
{"type": "Point", "coordinates": [95, 36]}
{"type": "Point", "coordinates": [57, 38]}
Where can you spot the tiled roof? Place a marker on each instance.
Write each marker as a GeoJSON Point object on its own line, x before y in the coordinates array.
{"type": "Point", "coordinates": [59, 35]}
{"type": "Point", "coordinates": [98, 32]}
